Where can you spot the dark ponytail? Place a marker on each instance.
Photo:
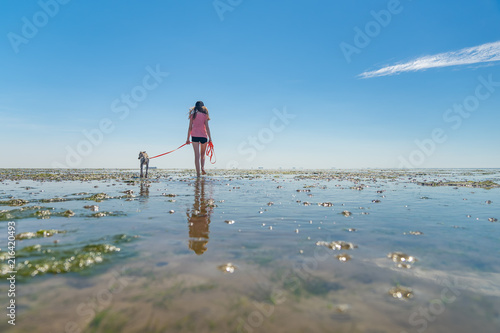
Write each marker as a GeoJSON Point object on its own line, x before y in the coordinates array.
{"type": "Point", "coordinates": [199, 107]}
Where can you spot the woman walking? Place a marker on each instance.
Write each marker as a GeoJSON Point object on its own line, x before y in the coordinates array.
{"type": "Point", "coordinates": [200, 135]}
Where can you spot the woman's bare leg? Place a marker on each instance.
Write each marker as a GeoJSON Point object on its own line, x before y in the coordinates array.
{"type": "Point", "coordinates": [196, 147]}
{"type": "Point", "coordinates": [202, 157]}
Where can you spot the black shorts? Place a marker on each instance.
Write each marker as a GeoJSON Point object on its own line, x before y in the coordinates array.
{"type": "Point", "coordinates": [199, 139]}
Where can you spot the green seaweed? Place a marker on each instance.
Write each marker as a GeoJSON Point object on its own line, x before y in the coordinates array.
{"type": "Point", "coordinates": [39, 212]}
{"type": "Point", "coordinates": [19, 213]}
{"type": "Point", "coordinates": [76, 261]}
{"type": "Point", "coordinates": [202, 287]}
{"type": "Point", "coordinates": [39, 234]}
{"type": "Point", "coordinates": [107, 321]}
{"type": "Point", "coordinates": [14, 202]}
{"type": "Point", "coordinates": [123, 238]}
{"type": "Point", "coordinates": [487, 184]}
{"type": "Point", "coordinates": [100, 248]}
{"type": "Point", "coordinates": [43, 214]}
{"type": "Point", "coordinates": [98, 197]}
{"type": "Point", "coordinates": [39, 259]}
{"type": "Point", "coordinates": [69, 213]}
{"type": "Point", "coordinates": [53, 200]}
{"type": "Point", "coordinates": [318, 286]}
{"type": "Point", "coordinates": [302, 286]}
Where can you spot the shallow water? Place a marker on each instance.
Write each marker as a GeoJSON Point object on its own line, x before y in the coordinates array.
{"type": "Point", "coordinates": [253, 251]}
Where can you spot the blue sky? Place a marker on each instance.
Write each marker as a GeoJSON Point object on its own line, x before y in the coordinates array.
{"type": "Point", "coordinates": [306, 84]}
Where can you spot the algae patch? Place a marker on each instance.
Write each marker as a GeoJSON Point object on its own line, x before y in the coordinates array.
{"type": "Point", "coordinates": [19, 213]}
{"type": "Point", "coordinates": [487, 184]}
{"type": "Point", "coordinates": [31, 212]}
{"type": "Point", "coordinates": [53, 200]}
{"type": "Point", "coordinates": [98, 197]}
{"type": "Point", "coordinates": [39, 234]}
{"type": "Point", "coordinates": [14, 202]}
{"type": "Point", "coordinates": [43, 259]}
{"type": "Point", "coordinates": [65, 262]}
{"type": "Point", "coordinates": [337, 245]}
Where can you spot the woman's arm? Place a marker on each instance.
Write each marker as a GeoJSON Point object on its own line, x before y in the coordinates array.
{"type": "Point", "coordinates": [208, 130]}
{"type": "Point", "coordinates": [189, 129]}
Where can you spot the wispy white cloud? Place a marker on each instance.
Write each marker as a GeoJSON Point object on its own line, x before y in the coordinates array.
{"type": "Point", "coordinates": [472, 55]}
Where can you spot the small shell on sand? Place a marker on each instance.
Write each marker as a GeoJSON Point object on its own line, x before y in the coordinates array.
{"type": "Point", "coordinates": [227, 268]}
{"type": "Point", "coordinates": [402, 260]}
{"type": "Point", "coordinates": [337, 245]}
{"type": "Point", "coordinates": [93, 208]}
{"type": "Point", "coordinates": [343, 257]}
{"type": "Point", "coordinates": [415, 233]}
{"type": "Point", "coordinates": [342, 308]}
{"type": "Point", "coordinates": [401, 292]}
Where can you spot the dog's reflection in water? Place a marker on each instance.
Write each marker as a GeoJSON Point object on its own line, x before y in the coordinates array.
{"type": "Point", "coordinates": [199, 219]}
{"type": "Point", "coordinates": [144, 191]}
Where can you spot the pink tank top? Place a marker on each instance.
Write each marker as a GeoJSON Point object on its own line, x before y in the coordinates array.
{"type": "Point", "coordinates": [198, 129]}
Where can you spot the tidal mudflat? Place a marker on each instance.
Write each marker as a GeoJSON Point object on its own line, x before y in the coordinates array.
{"type": "Point", "coordinates": [253, 251]}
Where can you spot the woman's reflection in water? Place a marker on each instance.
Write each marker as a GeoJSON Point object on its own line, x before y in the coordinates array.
{"type": "Point", "coordinates": [199, 219]}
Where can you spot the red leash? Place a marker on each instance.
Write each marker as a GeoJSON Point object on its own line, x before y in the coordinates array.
{"type": "Point", "coordinates": [210, 151]}
{"type": "Point", "coordinates": [169, 151]}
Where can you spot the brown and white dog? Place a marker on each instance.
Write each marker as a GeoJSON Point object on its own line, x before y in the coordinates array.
{"type": "Point", "coordinates": [144, 160]}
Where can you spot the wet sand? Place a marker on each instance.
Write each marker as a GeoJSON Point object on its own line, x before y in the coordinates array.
{"type": "Point", "coordinates": [254, 251]}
